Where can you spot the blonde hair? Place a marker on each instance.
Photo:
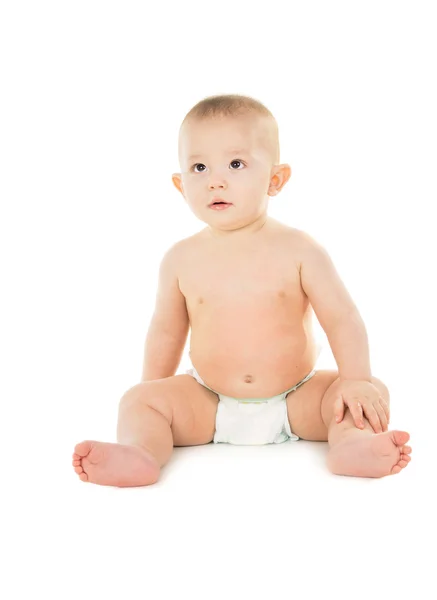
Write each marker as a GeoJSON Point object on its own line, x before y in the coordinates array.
{"type": "Point", "coordinates": [235, 105]}
{"type": "Point", "coordinates": [228, 105]}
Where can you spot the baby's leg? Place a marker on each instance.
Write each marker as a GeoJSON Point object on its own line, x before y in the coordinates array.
{"type": "Point", "coordinates": [153, 417]}
{"type": "Point", "coordinates": [363, 452]}
{"type": "Point", "coordinates": [353, 451]}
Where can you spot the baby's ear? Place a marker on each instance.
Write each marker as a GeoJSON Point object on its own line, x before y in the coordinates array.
{"type": "Point", "coordinates": [281, 174]}
{"type": "Point", "coordinates": [177, 182]}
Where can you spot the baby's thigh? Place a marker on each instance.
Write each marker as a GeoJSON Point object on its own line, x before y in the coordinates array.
{"type": "Point", "coordinates": [304, 406]}
{"type": "Point", "coordinates": [189, 407]}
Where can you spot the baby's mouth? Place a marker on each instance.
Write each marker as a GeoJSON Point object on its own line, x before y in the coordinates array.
{"type": "Point", "coordinates": [219, 202]}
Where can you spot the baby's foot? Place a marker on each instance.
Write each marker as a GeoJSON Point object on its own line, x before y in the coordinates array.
{"type": "Point", "coordinates": [114, 464]}
{"type": "Point", "coordinates": [374, 455]}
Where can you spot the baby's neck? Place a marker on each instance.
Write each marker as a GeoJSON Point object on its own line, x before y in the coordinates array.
{"type": "Point", "coordinates": [243, 234]}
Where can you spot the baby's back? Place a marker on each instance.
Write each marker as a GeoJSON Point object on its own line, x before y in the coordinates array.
{"type": "Point", "coordinates": [251, 322]}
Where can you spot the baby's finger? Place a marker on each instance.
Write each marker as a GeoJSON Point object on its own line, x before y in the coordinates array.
{"type": "Point", "coordinates": [373, 418]}
{"type": "Point", "coordinates": [382, 416]}
{"type": "Point", "coordinates": [386, 408]}
{"type": "Point", "coordinates": [338, 409]}
{"type": "Point", "coordinates": [357, 414]}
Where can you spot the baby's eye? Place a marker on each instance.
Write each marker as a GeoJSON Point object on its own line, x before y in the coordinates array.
{"type": "Point", "coordinates": [202, 165]}
{"type": "Point", "coordinates": [236, 161]}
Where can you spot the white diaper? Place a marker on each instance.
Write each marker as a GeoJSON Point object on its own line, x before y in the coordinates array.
{"type": "Point", "coordinates": [252, 421]}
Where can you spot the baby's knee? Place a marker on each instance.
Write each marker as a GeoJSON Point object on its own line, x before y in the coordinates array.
{"type": "Point", "coordinates": [383, 389]}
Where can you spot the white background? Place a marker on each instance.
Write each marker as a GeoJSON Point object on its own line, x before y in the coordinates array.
{"type": "Point", "coordinates": [92, 97]}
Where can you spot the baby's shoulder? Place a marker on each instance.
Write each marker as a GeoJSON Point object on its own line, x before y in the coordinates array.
{"type": "Point", "coordinates": [302, 246]}
{"type": "Point", "coordinates": [181, 251]}
{"type": "Point", "coordinates": [298, 238]}
{"type": "Point", "coordinates": [302, 238]}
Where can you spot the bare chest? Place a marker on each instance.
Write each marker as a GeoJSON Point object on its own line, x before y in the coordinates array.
{"type": "Point", "coordinates": [242, 282]}
{"type": "Point", "coordinates": [249, 316]}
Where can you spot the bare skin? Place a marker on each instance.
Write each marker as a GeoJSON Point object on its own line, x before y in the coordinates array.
{"type": "Point", "coordinates": [251, 337]}
{"type": "Point", "coordinates": [251, 322]}
{"type": "Point", "coordinates": [114, 464]}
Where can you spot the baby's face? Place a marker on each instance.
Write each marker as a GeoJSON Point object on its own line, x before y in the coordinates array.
{"type": "Point", "coordinates": [228, 158]}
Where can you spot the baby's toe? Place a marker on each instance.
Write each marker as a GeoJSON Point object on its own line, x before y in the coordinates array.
{"type": "Point", "coordinates": [400, 438]}
{"type": "Point", "coordinates": [404, 459]}
{"type": "Point", "coordinates": [81, 473]}
{"type": "Point", "coordinates": [83, 449]}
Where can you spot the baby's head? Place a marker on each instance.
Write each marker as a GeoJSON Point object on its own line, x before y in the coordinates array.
{"type": "Point", "coordinates": [229, 149]}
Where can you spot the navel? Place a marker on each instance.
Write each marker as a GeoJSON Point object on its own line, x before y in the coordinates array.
{"type": "Point", "coordinates": [248, 379]}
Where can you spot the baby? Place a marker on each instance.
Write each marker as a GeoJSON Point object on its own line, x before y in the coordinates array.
{"type": "Point", "coordinates": [246, 285]}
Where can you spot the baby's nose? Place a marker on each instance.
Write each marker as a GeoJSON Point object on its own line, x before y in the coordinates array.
{"type": "Point", "coordinates": [217, 182]}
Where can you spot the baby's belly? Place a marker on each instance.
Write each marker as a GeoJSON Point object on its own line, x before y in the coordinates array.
{"type": "Point", "coordinates": [255, 362]}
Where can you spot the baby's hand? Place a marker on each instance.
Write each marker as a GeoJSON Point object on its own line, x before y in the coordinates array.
{"type": "Point", "coordinates": [362, 397]}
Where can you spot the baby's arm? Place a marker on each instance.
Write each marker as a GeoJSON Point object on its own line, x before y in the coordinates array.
{"type": "Point", "coordinates": [168, 329]}
{"type": "Point", "coordinates": [322, 284]}
{"type": "Point", "coordinates": [335, 310]}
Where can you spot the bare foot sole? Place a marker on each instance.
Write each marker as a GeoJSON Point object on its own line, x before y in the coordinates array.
{"type": "Point", "coordinates": [374, 455]}
{"type": "Point", "coordinates": [114, 464]}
